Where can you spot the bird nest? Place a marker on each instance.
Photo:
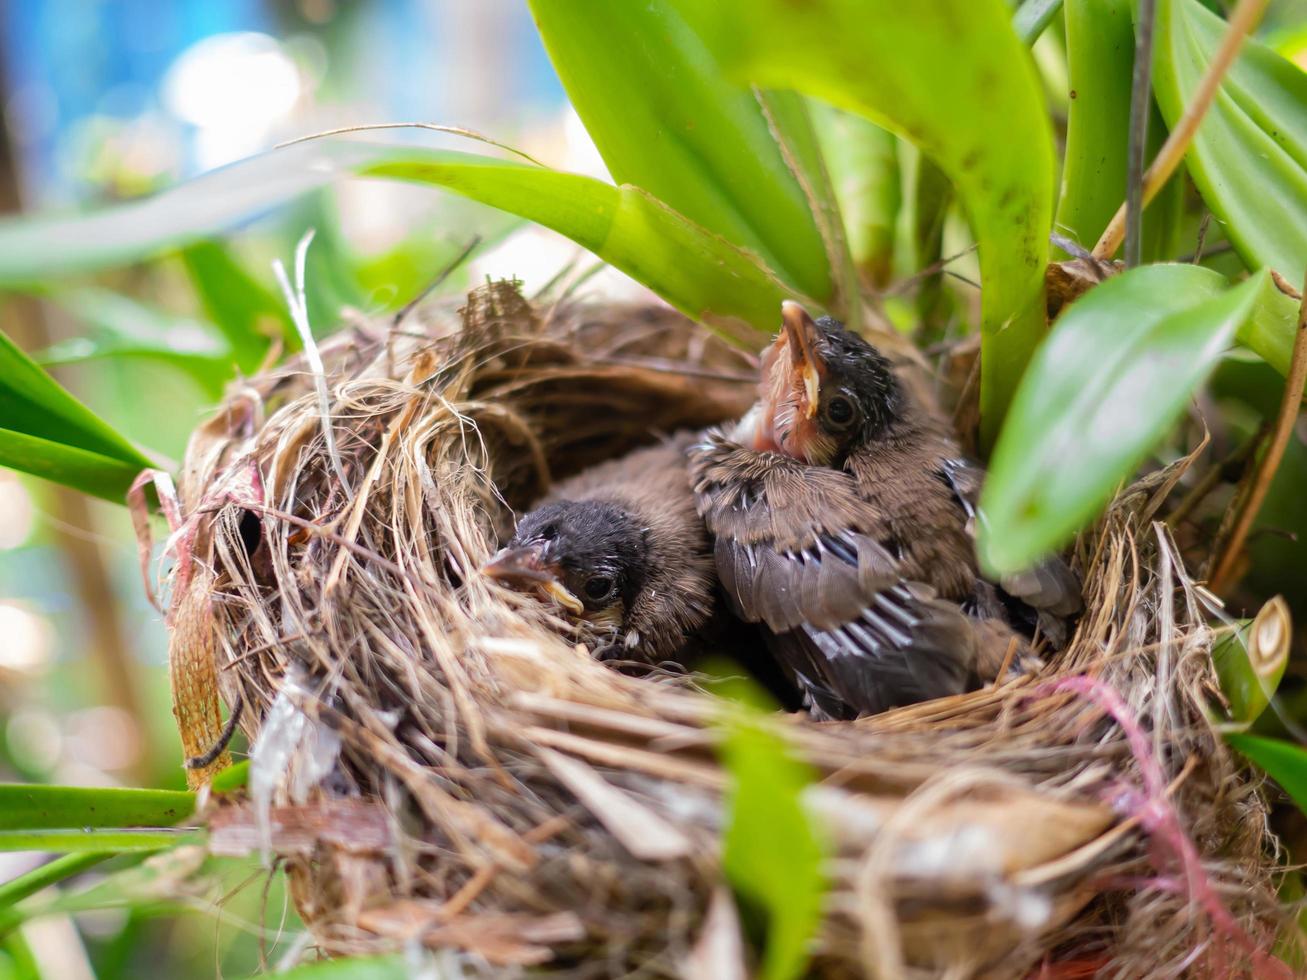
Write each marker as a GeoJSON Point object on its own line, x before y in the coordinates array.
{"type": "Point", "coordinates": [435, 761]}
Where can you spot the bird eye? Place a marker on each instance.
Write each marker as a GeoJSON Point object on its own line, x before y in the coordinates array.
{"type": "Point", "coordinates": [598, 588]}
{"type": "Point", "coordinates": [840, 412]}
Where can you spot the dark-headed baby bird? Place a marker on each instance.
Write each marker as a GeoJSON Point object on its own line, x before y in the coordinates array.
{"type": "Point", "coordinates": [623, 550]}
{"type": "Point", "coordinates": [843, 516]}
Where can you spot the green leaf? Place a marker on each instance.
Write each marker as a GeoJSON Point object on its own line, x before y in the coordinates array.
{"type": "Point", "coordinates": [142, 881]}
{"type": "Point", "coordinates": [666, 119]}
{"type": "Point", "coordinates": [353, 968]}
{"type": "Point", "coordinates": [864, 168]}
{"type": "Point", "coordinates": [47, 432]}
{"type": "Point", "coordinates": [38, 807]}
{"type": "Point", "coordinates": [694, 270]}
{"type": "Point", "coordinates": [1115, 373]}
{"type": "Point", "coordinates": [244, 309]}
{"type": "Point", "coordinates": [90, 841]}
{"type": "Point", "coordinates": [772, 853]}
{"type": "Point", "coordinates": [1284, 762]}
{"type": "Point", "coordinates": [36, 405]}
{"type": "Point", "coordinates": [122, 327]}
{"type": "Point", "coordinates": [792, 125]}
{"type": "Point", "coordinates": [1250, 660]}
{"type": "Point", "coordinates": [1271, 330]}
{"type": "Point", "coordinates": [231, 778]}
{"type": "Point", "coordinates": [932, 196]}
{"type": "Point", "coordinates": [1100, 41]}
{"type": "Point", "coordinates": [952, 76]}
{"type": "Point", "coordinates": [99, 476]}
{"type": "Point", "coordinates": [50, 873]}
{"type": "Point", "coordinates": [1249, 156]}
{"type": "Point", "coordinates": [1032, 17]}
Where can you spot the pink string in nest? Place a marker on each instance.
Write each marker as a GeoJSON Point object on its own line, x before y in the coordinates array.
{"type": "Point", "coordinates": [1159, 818]}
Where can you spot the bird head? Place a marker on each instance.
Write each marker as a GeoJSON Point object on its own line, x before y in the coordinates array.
{"type": "Point", "coordinates": [824, 390]}
{"type": "Point", "coordinates": [588, 556]}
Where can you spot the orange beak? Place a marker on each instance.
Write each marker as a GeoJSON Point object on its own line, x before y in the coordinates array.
{"type": "Point", "coordinates": [801, 333]}
{"type": "Point", "coordinates": [525, 568]}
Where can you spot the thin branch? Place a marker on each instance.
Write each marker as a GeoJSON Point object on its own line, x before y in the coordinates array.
{"type": "Point", "coordinates": [1270, 462]}
{"type": "Point", "coordinates": [1141, 91]}
{"type": "Point", "coordinates": [1242, 21]}
{"type": "Point", "coordinates": [437, 282]}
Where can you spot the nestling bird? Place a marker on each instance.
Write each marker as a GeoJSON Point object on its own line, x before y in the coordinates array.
{"type": "Point", "coordinates": [843, 517]}
{"type": "Point", "coordinates": [622, 549]}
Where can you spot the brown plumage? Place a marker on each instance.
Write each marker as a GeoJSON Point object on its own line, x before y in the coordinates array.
{"type": "Point", "coordinates": [842, 513]}
{"type": "Point", "coordinates": [623, 549]}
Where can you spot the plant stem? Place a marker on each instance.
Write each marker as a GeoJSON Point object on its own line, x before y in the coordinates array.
{"type": "Point", "coordinates": [1242, 21]}
{"type": "Point", "coordinates": [1141, 90]}
{"type": "Point", "coordinates": [1270, 462]}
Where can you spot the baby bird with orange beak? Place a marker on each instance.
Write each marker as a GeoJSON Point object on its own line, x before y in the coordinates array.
{"type": "Point", "coordinates": [843, 516]}
{"type": "Point", "coordinates": [622, 550]}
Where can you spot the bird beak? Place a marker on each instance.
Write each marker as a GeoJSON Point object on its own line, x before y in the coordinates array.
{"type": "Point", "coordinates": [801, 332]}
{"type": "Point", "coordinates": [525, 567]}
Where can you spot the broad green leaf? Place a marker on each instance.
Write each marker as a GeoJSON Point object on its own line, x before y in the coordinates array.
{"type": "Point", "coordinates": [1115, 373]}
{"type": "Point", "coordinates": [1249, 156]}
{"type": "Point", "coordinates": [952, 76]}
{"type": "Point", "coordinates": [33, 807]}
{"type": "Point", "coordinates": [90, 841]}
{"type": "Point", "coordinates": [50, 873]}
{"type": "Point", "coordinates": [119, 326]}
{"type": "Point", "coordinates": [665, 118]}
{"type": "Point", "coordinates": [1100, 43]}
{"type": "Point", "coordinates": [248, 313]}
{"type": "Point", "coordinates": [698, 272]}
{"type": "Point", "coordinates": [772, 853]}
{"type": "Point", "coordinates": [864, 167]}
{"type": "Point", "coordinates": [1284, 762]}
